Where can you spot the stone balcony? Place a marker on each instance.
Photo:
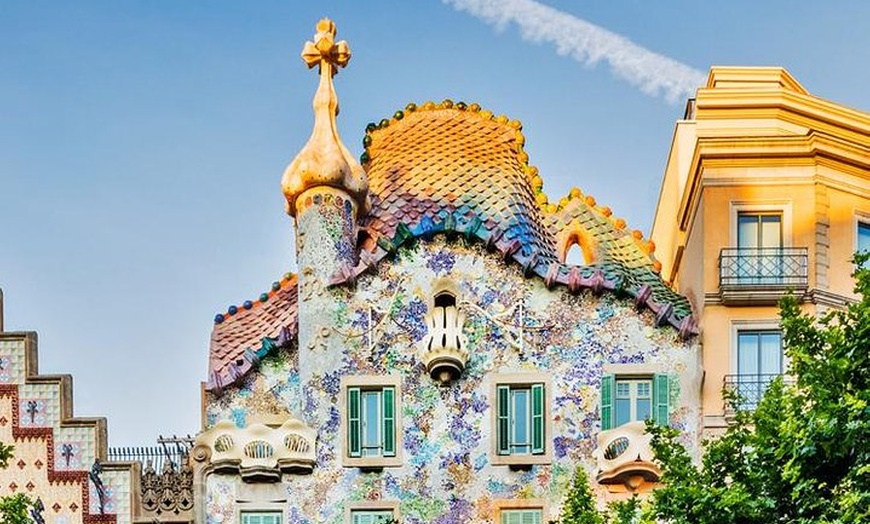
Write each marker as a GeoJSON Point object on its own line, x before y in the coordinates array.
{"type": "Point", "coordinates": [625, 457]}
{"type": "Point", "coordinates": [258, 452]}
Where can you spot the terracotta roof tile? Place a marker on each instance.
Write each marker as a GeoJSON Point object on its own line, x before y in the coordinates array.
{"type": "Point", "coordinates": [240, 340]}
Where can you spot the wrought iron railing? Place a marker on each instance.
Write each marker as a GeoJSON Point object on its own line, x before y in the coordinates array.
{"type": "Point", "coordinates": [166, 481]}
{"type": "Point", "coordinates": [760, 267]}
{"type": "Point", "coordinates": [749, 388]}
{"type": "Point", "coordinates": [170, 451]}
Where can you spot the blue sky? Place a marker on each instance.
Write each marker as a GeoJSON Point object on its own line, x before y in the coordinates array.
{"type": "Point", "coordinates": [142, 146]}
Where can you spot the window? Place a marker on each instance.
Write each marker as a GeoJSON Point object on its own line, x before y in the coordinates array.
{"type": "Point", "coordinates": [759, 361]}
{"type": "Point", "coordinates": [371, 516]}
{"type": "Point", "coordinates": [627, 399]}
{"type": "Point", "coordinates": [261, 517]}
{"type": "Point", "coordinates": [759, 243]}
{"type": "Point", "coordinates": [863, 243]}
{"type": "Point", "coordinates": [521, 516]}
{"type": "Point", "coordinates": [372, 422]}
{"type": "Point", "coordinates": [521, 419]}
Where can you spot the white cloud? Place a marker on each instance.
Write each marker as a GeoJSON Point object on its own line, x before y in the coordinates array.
{"type": "Point", "coordinates": [588, 44]}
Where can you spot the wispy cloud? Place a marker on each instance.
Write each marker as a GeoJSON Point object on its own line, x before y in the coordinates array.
{"type": "Point", "coordinates": [587, 43]}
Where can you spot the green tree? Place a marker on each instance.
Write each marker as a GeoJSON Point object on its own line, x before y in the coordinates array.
{"type": "Point", "coordinates": [803, 456]}
{"type": "Point", "coordinates": [13, 508]}
{"type": "Point", "coordinates": [579, 506]}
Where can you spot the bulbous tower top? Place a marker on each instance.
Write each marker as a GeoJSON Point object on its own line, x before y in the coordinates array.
{"type": "Point", "coordinates": [325, 161]}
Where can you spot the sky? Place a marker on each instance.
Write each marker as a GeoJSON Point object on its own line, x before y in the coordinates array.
{"type": "Point", "coordinates": [142, 144]}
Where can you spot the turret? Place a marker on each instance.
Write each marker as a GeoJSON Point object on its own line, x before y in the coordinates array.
{"type": "Point", "coordinates": [325, 187]}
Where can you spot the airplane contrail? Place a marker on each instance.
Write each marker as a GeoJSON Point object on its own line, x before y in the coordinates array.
{"type": "Point", "coordinates": [588, 44]}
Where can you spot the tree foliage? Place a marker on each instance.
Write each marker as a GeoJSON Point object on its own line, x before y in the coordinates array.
{"type": "Point", "coordinates": [14, 509]}
{"type": "Point", "coordinates": [803, 456]}
{"type": "Point", "coordinates": [580, 508]}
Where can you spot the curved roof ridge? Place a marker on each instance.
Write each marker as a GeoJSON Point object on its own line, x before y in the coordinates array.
{"type": "Point", "coordinates": [556, 213]}
{"type": "Point", "coordinates": [247, 333]}
{"type": "Point", "coordinates": [473, 108]}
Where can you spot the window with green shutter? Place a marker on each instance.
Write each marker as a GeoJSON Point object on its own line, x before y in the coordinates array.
{"type": "Point", "coordinates": [629, 399]}
{"type": "Point", "coordinates": [369, 516]}
{"type": "Point", "coordinates": [261, 517]}
{"type": "Point", "coordinates": [521, 427]}
{"type": "Point", "coordinates": [521, 516]}
{"type": "Point", "coordinates": [662, 395]}
{"type": "Point", "coordinates": [607, 386]}
{"type": "Point", "coordinates": [371, 421]}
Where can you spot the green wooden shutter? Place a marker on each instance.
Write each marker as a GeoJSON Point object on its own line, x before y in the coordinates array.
{"type": "Point", "coordinates": [389, 429]}
{"type": "Point", "coordinates": [538, 419]}
{"type": "Point", "coordinates": [608, 385]}
{"type": "Point", "coordinates": [661, 398]}
{"type": "Point", "coordinates": [504, 420]}
{"type": "Point", "coordinates": [353, 423]}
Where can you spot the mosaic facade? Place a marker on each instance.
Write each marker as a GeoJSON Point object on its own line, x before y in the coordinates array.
{"type": "Point", "coordinates": [513, 325]}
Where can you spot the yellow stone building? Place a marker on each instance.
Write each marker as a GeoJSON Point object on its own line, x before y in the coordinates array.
{"type": "Point", "coordinates": [765, 191]}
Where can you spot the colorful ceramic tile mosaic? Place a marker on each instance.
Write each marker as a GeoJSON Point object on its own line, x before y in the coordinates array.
{"type": "Point", "coordinates": [513, 325]}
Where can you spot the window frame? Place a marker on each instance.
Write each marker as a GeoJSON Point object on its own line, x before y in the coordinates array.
{"type": "Point", "coordinates": [767, 207]}
{"type": "Point", "coordinates": [501, 505]}
{"type": "Point", "coordinates": [860, 219]}
{"type": "Point", "coordinates": [518, 381]}
{"type": "Point", "coordinates": [371, 505]}
{"type": "Point", "coordinates": [261, 511]}
{"type": "Point", "coordinates": [369, 383]}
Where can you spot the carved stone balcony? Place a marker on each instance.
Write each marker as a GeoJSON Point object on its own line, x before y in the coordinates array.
{"type": "Point", "coordinates": [761, 276]}
{"type": "Point", "coordinates": [445, 355]}
{"type": "Point", "coordinates": [258, 453]}
{"type": "Point", "coordinates": [625, 457]}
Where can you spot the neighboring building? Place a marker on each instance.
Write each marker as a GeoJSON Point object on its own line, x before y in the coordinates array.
{"type": "Point", "coordinates": [60, 461]}
{"type": "Point", "coordinates": [766, 190]}
{"type": "Point", "coordinates": [435, 360]}
{"type": "Point", "coordinates": [55, 453]}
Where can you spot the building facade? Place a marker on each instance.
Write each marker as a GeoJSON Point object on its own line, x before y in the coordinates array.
{"type": "Point", "coordinates": [765, 192]}
{"type": "Point", "coordinates": [435, 359]}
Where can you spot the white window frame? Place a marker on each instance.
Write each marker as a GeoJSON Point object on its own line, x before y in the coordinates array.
{"type": "Point", "coordinates": [782, 207]}
{"type": "Point", "coordinates": [752, 325]}
{"type": "Point", "coordinates": [858, 218]}
{"type": "Point", "coordinates": [633, 396]}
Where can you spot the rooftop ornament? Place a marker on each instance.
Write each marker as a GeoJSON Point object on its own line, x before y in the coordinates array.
{"type": "Point", "coordinates": [325, 161]}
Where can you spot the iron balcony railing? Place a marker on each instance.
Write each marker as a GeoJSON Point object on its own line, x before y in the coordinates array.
{"type": "Point", "coordinates": [750, 389]}
{"type": "Point", "coordinates": [170, 453]}
{"type": "Point", "coordinates": [761, 267]}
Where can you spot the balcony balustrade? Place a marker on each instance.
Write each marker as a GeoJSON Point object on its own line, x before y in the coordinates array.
{"type": "Point", "coordinates": [750, 389]}
{"type": "Point", "coordinates": [761, 275]}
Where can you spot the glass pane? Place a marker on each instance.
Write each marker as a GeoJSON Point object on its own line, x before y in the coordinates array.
{"type": "Point", "coordinates": [747, 230]}
{"type": "Point", "coordinates": [643, 389]}
{"type": "Point", "coordinates": [771, 353]}
{"type": "Point", "coordinates": [371, 423]}
{"type": "Point", "coordinates": [623, 389]}
{"type": "Point", "coordinates": [747, 354]}
{"type": "Point", "coordinates": [521, 420]}
{"type": "Point", "coordinates": [771, 232]}
{"type": "Point", "coordinates": [863, 236]}
{"type": "Point", "coordinates": [623, 411]}
{"type": "Point", "coordinates": [644, 409]}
